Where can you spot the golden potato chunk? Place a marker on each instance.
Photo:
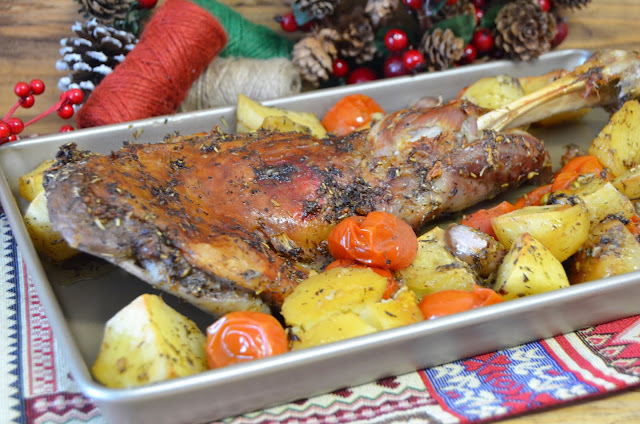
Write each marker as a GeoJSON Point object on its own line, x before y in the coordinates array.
{"type": "Point", "coordinates": [529, 268]}
{"type": "Point", "coordinates": [251, 115]}
{"type": "Point", "coordinates": [45, 239]}
{"type": "Point", "coordinates": [493, 92]}
{"type": "Point", "coordinates": [628, 183]}
{"type": "Point", "coordinates": [435, 268]}
{"type": "Point", "coordinates": [602, 199]}
{"type": "Point", "coordinates": [610, 250]}
{"type": "Point", "coordinates": [560, 228]}
{"type": "Point", "coordinates": [148, 341]}
{"type": "Point", "coordinates": [30, 184]}
{"type": "Point", "coordinates": [618, 145]}
{"type": "Point", "coordinates": [345, 302]}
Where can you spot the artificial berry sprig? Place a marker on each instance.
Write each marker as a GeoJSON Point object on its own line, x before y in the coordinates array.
{"type": "Point", "coordinates": [10, 126]}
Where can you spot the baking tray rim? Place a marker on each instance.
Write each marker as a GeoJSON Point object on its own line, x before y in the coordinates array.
{"type": "Point", "coordinates": [98, 392]}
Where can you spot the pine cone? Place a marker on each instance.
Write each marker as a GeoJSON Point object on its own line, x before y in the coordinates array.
{"type": "Point", "coordinates": [461, 7]}
{"type": "Point", "coordinates": [106, 11]}
{"type": "Point", "coordinates": [571, 4]}
{"type": "Point", "coordinates": [524, 30]}
{"type": "Point", "coordinates": [313, 55]}
{"type": "Point", "coordinates": [357, 36]}
{"type": "Point", "coordinates": [441, 49]}
{"type": "Point", "coordinates": [92, 54]}
{"type": "Point", "coordinates": [316, 9]}
{"type": "Point", "coordinates": [379, 10]}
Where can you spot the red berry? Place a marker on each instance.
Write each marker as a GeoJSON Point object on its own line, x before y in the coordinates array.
{"type": "Point", "coordinates": [362, 74]}
{"type": "Point", "coordinates": [28, 101]}
{"type": "Point", "coordinates": [396, 40]}
{"type": "Point", "coordinates": [479, 15]}
{"type": "Point", "coordinates": [16, 125]}
{"type": "Point", "coordinates": [65, 111]}
{"type": "Point", "coordinates": [562, 30]}
{"type": "Point", "coordinates": [22, 89]}
{"type": "Point", "coordinates": [413, 4]}
{"type": "Point", "coordinates": [37, 86]}
{"type": "Point", "coordinates": [340, 68]}
{"type": "Point", "coordinates": [288, 22]}
{"type": "Point", "coordinates": [66, 128]}
{"type": "Point", "coordinates": [480, 4]}
{"type": "Point", "coordinates": [147, 4]}
{"type": "Point", "coordinates": [75, 96]}
{"type": "Point", "coordinates": [5, 130]}
{"type": "Point", "coordinates": [451, 2]}
{"type": "Point", "coordinates": [470, 53]}
{"type": "Point", "coordinates": [545, 5]}
{"type": "Point", "coordinates": [394, 67]}
{"type": "Point", "coordinates": [482, 40]}
{"type": "Point", "coordinates": [12, 137]}
{"type": "Point", "coordinates": [413, 59]}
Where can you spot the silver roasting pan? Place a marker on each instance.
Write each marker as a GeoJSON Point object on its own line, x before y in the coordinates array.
{"type": "Point", "coordinates": [78, 301]}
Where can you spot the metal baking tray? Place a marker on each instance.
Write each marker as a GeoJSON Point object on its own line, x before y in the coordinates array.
{"type": "Point", "coordinates": [78, 301]}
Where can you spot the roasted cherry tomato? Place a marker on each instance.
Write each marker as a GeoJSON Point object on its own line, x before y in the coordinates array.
{"type": "Point", "coordinates": [392, 284]}
{"type": "Point", "coordinates": [379, 240]}
{"type": "Point", "coordinates": [481, 219]}
{"type": "Point", "coordinates": [244, 336]}
{"type": "Point", "coordinates": [350, 113]}
{"type": "Point", "coordinates": [449, 302]}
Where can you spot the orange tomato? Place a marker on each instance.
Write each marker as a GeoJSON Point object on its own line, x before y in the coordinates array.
{"type": "Point", "coordinates": [447, 302]}
{"type": "Point", "coordinates": [392, 284]}
{"type": "Point", "coordinates": [379, 240]}
{"type": "Point", "coordinates": [244, 336]}
{"type": "Point", "coordinates": [350, 113]}
{"type": "Point", "coordinates": [481, 219]}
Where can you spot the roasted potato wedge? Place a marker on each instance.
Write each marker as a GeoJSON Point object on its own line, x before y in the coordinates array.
{"type": "Point", "coordinates": [602, 199]}
{"type": "Point", "coordinates": [435, 268]}
{"type": "Point", "coordinates": [251, 115]}
{"type": "Point", "coordinates": [618, 145]}
{"type": "Point", "coordinates": [30, 184]}
{"type": "Point", "coordinates": [529, 268]}
{"type": "Point", "coordinates": [610, 250]}
{"type": "Point", "coordinates": [628, 183]}
{"type": "Point", "coordinates": [493, 92]}
{"type": "Point", "coordinates": [283, 124]}
{"type": "Point", "coordinates": [561, 228]}
{"type": "Point", "coordinates": [148, 341]}
{"type": "Point", "coordinates": [345, 302]}
{"type": "Point", "coordinates": [45, 239]}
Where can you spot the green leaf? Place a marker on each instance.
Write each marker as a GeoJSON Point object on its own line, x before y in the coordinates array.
{"type": "Point", "coordinates": [435, 6]}
{"type": "Point", "coordinates": [463, 26]}
{"type": "Point", "coordinates": [489, 18]}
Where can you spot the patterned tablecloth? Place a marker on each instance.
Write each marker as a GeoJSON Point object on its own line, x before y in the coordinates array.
{"type": "Point", "coordinates": [36, 386]}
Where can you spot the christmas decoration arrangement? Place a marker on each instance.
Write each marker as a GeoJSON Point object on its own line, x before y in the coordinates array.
{"type": "Point", "coordinates": [351, 41]}
{"type": "Point", "coordinates": [206, 53]}
{"type": "Point", "coordinates": [11, 127]}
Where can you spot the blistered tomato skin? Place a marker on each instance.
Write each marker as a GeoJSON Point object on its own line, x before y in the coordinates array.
{"type": "Point", "coordinates": [244, 336]}
{"type": "Point", "coordinates": [379, 240]}
{"type": "Point", "coordinates": [447, 302]}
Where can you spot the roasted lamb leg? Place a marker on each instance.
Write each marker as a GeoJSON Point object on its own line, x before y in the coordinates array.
{"type": "Point", "coordinates": [232, 222]}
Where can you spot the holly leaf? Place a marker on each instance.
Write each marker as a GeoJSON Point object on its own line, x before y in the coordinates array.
{"type": "Point", "coordinates": [489, 18]}
{"type": "Point", "coordinates": [434, 7]}
{"type": "Point", "coordinates": [463, 26]}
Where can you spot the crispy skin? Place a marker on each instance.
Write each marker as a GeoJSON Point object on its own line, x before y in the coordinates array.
{"type": "Point", "coordinates": [228, 221]}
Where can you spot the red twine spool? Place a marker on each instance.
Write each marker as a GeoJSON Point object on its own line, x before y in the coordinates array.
{"type": "Point", "coordinates": [178, 43]}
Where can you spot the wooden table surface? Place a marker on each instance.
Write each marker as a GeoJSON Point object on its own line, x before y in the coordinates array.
{"type": "Point", "coordinates": [30, 31]}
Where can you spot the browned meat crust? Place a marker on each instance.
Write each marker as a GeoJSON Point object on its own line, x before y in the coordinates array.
{"type": "Point", "coordinates": [220, 219]}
